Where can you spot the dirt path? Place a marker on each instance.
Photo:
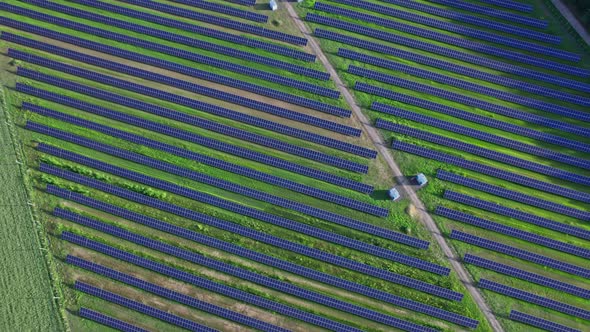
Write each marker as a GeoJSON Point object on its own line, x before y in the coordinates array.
{"type": "Point", "coordinates": [404, 186]}
{"type": "Point", "coordinates": [572, 20]}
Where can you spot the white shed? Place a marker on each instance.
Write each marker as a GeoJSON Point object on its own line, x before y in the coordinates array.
{"type": "Point", "coordinates": [273, 5]}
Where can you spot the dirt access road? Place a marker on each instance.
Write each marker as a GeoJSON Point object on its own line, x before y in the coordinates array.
{"type": "Point", "coordinates": [404, 186]}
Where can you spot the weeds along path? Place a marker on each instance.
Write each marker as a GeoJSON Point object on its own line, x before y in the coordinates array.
{"type": "Point", "coordinates": [404, 187]}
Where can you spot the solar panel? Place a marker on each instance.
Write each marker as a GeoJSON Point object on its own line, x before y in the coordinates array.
{"type": "Point", "coordinates": [240, 230]}
{"type": "Point", "coordinates": [450, 27]}
{"type": "Point", "coordinates": [511, 231]}
{"type": "Point", "coordinates": [519, 215]}
{"type": "Point", "coordinates": [173, 295]}
{"type": "Point", "coordinates": [140, 307]}
{"type": "Point", "coordinates": [485, 136]}
{"type": "Point", "coordinates": [108, 321]}
{"type": "Point", "coordinates": [244, 2]}
{"type": "Point", "coordinates": [519, 253]}
{"type": "Point", "coordinates": [533, 298]}
{"type": "Point", "coordinates": [227, 10]}
{"type": "Point", "coordinates": [446, 52]}
{"type": "Point", "coordinates": [514, 5]}
{"type": "Point", "coordinates": [494, 12]}
{"type": "Point", "coordinates": [265, 281]}
{"type": "Point", "coordinates": [528, 276]}
{"type": "Point", "coordinates": [253, 255]}
{"type": "Point", "coordinates": [485, 153]}
{"type": "Point", "coordinates": [381, 35]}
{"type": "Point", "coordinates": [477, 20]}
{"type": "Point", "coordinates": [513, 195]}
{"type": "Point", "coordinates": [462, 99]}
{"type": "Point", "coordinates": [539, 322]}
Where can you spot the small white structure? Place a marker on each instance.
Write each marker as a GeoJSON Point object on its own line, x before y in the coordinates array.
{"type": "Point", "coordinates": [273, 5]}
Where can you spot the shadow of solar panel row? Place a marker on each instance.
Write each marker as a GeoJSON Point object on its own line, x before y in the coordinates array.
{"type": "Point", "coordinates": [385, 36]}
{"type": "Point", "coordinates": [528, 276]}
{"type": "Point", "coordinates": [539, 322]}
{"type": "Point", "coordinates": [494, 172]}
{"type": "Point", "coordinates": [494, 12]}
{"type": "Point", "coordinates": [167, 35]}
{"type": "Point", "coordinates": [481, 135]}
{"type": "Point", "coordinates": [108, 321]}
{"type": "Point", "coordinates": [511, 231]}
{"type": "Point", "coordinates": [256, 278]}
{"type": "Point", "coordinates": [140, 307]}
{"type": "Point", "coordinates": [172, 295]}
{"type": "Point", "coordinates": [237, 229]}
{"type": "Point", "coordinates": [513, 195]}
{"type": "Point", "coordinates": [516, 214]}
{"type": "Point", "coordinates": [460, 98]}
{"type": "Point", "coordinates": [208, 284]}
{"type": "Point", "coordinates": [210, 19]}
{"type": "Point", "coordinates": [533, 298]}
{"type": "Point", "coordinates": [485, 153]}
{"type": "Point", "coordinates": [226, 10]}
{"type": "Point", "coordinates": [256, 256]}
{"type": "Point", "coordinates": [154, 61]}
{"type": "Point", "coordinates": [479, 21]}
{"type": "Point", "coordinates": [519, 253]}
{"type": "Point", "coordinates": [442, 37]}
{"type": "Point", "coordinates": [466, 71]}
{"type": "Point", "coordinates": [469, 58]}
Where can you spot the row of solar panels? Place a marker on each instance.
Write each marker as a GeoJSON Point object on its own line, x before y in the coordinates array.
{"type": "Point", "coordinates": [513, 232]}
{"type": "Point", "coordinates": [494, 172]}
{"type": "Point", "coordinates": [517, 214]}
{"type": "Point", "coordinates": [484, 136]}
{"type": "Point", "coordinates": [445, 38]}
{"type": "Point", "coordinates": [446, 52]}
{"type": "Point", "coordinates": [520, 253]}
{"type": "Point", "coordinates": [485, 153]}
{"type": "Point", "coordinates": [462, 99]}
{"type": "Point", "coordinates": [258, 257]}
{"type": "Point", "coordinates": [494, 12]}
{"type": "Point", "coordinates": [170, 294]}
{"type": "Point", "coordinates": [268, 282]}
{"type": "Point", "coordinates": [513, 56]}
{"type": "Point", "coordinates": [108, 321]}
{"type": "Point", "coordinates": [199, 16]}
{"type": "Point", "coordinates": [248, 233]}
{"type": "Point", "coordinates": [475, 20]}
{"type": "Point", "coordinates": [246, 2]}
{"type": "Point", "coordinates": [513, 195]}
{"type": "Point", "coordinates": [227, 10]}
{"type": "Point", "coordinates": [539, 322]}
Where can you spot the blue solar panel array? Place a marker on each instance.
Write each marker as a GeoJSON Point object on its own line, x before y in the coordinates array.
{"type": "Point", "coordinates": [470, 72]}
{"type": "Point", "coordinates": [513, 232]}
{"type": "Point", "coordinates": [199, 16]}
{"type": "Point", "coordinates": [227, 10]}
{"type": "Point", "coordinates": [265, 281]}
{"type": "Point", "coordinates": [486, 153]}
{"type": "Point", "coordinates": [539, 322]}
{"type": "Point", "coordinates": [207, 284]}
{"type": "Point", "coordinates": [514, 5]}
{"type": "Point", "coordinates": [140, 307]}
{"type": "Point", "coordinates": [516, 214]}
{"type": "Point", "coordinates": [455, 28]}
{"type": "Point", "coordinates": [256, 256]}
{"type": "Point", "coordinates": [469, 58]}
{"type": "Point", "coordinates": [476, 20]}
{"type": "Point", "coordinates": [513, 195]}
{"type": "Point", "coordinates": [513, 56]}
{"type": "Point", "coordinates": [533, 298]}
{"type": "Point", "coordinates": [519, 253]}
{"type": "Point", "coordinates": [528, 276]}
{"type": "Point", "coordinates": [245, 2]}
{"type": "Point", "coordinates": [304, 86]}
{"type": "Point", "coordinates": [494, 12]}
{"type": "Point", "coordinates": [462, 99]}
{"type": "Point", "coordinates": [273, 48]}
{"type": "Point", "coordinates": [240, 230]}
{"type": "Point", "coordinates": [491, 171]}
{"type": "Point", "coordinates": [108, 321]}
{"type": "Point", "coordinates": [484, 136]}
{"type": "Point", "coordinates": [172, 295]}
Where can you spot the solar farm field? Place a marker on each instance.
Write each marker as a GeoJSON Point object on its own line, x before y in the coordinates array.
{"type": "Point", "coordinates": [489, 99]}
